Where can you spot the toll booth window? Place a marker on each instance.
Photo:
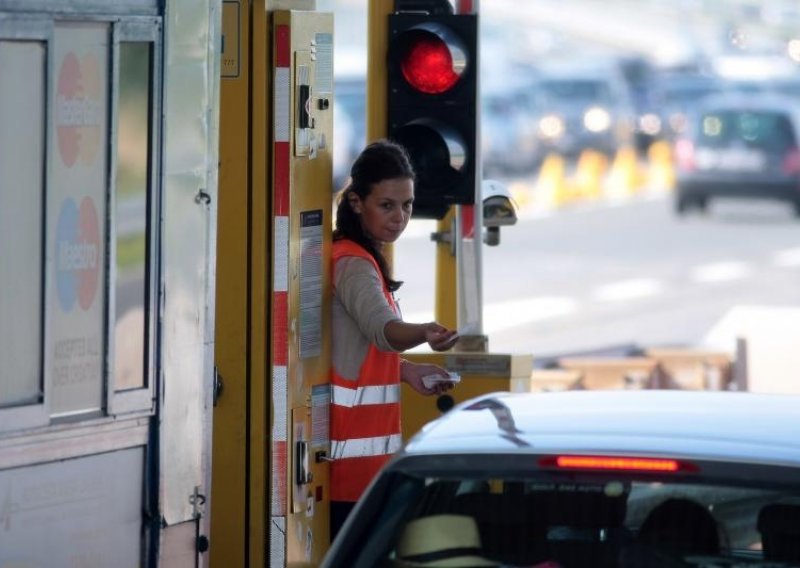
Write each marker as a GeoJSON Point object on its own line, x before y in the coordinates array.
{"type": "Point", "coordinates": [22, 186]}
{"type": "Point", "coordinates": [132, 197]}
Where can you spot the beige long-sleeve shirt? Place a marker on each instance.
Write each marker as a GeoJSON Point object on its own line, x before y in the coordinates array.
{"type": "Point", "coordinates": [360, 314]}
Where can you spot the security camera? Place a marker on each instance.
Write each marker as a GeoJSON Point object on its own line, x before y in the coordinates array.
{"type": "Point", "coordinates": [499, 210]}
{"type": "Point", "coordinates": [498, 206]}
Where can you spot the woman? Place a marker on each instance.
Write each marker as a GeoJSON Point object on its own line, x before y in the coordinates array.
{"type": "Point", "coordinates": [368, 332]}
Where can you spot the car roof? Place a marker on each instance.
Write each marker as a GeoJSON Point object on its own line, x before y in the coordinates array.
{"type": "Point", "coordinates": [722, 426]}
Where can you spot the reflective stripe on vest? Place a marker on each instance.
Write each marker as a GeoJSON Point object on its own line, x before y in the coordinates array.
{"type": "Point", "coordinates": [365, 447]}
{"type": "Point", "coordinates": [383, 394]}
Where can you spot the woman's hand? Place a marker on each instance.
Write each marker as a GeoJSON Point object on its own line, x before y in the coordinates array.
{"type": "Point", "coordinates": [438, 337]}
{"type": "Point", "coordinates": [402, 335]}
{"type": "Point", "coordinates": [412, 374]}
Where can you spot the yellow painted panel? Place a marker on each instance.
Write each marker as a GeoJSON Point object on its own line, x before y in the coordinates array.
{"type": "Point", "coordinates": [229, 463]}
{"type": "Point", "coordinates": [309, 293]}
{"type": "Point", "coordinates": [481, 373]}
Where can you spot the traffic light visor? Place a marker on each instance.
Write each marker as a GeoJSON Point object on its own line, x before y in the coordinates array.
{"type": "Point", "coordinates": [432, 58]}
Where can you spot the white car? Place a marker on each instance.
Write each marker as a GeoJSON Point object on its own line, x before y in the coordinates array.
{"type": "Point", "coordinates": [589, 478]}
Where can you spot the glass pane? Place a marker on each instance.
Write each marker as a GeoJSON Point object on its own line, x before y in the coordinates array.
{"type": "Point", "coordinates": [132, 193]}
{"type": "Point", "coordinates": [21, 200]}
{"type": "Point", "coordinates": [76, 209]}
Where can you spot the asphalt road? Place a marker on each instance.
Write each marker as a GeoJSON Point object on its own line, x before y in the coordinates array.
{"type": "Point", "coordinates": [602, 275]}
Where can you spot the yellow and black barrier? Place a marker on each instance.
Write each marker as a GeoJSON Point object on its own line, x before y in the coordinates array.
{"type": "Point", "coordinates": [595, 176]}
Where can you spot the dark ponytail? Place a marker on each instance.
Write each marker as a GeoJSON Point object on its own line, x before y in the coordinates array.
{"type": "Point", "coordinates": [379, 161]}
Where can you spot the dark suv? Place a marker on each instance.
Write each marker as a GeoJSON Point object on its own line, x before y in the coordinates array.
{"type": "Point", "coordinates": [740, 146]}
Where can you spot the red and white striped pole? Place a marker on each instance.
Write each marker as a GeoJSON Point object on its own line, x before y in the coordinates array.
{"type": "Point", "coordinates": [280, 290]}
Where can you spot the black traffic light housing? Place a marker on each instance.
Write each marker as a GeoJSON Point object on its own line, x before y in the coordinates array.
{"type": "Point", "coordinates": [432, 73]}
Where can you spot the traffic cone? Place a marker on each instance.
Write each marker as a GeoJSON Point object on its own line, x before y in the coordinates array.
{"type": "Point", "coordinates": [661, 170]}
{"type": "Point", "coordinates": [587, 183]}
{"type": "Point", "coordinates": [625, 177]}
{"type": "Point", "coordinates": [551, 184]}
{"type": "Point", "coordinates": [522, 194]}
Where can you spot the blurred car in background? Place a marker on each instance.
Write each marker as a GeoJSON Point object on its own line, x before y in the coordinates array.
{"type": "Point", "coordinates": [675, 96]}
{"type": "Point", "coordinates": [788, 86]}
{"type": "Point", "coordinates": [350, 128]}
{"type": "Point", "coordinates": [589, 479]}
{"type": "Point", "coordinates": [508, 111]}
{"type": "Point", "coordinates": [639, 75]}
{"type": "Point", "coordinates": [349, 111]}
{"type": "Point", "coordinates": [739, 145]}
{"type": "Point", "coordinates": [582, 108]}
{"type": "Point", "coordinates": [509, 141]}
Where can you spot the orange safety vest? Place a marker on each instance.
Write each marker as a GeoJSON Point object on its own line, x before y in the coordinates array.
{"type": "Point", "coordinates": [365, 413]}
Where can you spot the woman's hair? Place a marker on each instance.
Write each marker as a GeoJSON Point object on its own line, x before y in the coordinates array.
{"type": "Point", "coordinates": [379, 161]}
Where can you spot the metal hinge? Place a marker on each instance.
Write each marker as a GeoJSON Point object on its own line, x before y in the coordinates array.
{"type": "Point", "coordinates": [219, 386]}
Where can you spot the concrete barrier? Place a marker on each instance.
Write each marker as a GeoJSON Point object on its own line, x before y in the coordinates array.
{"type": "Point", "coordinates": [692, 369]}
{"type": "Point", "coordinates": [599, 373]}
{"type": "Point", "coordinates": [547, 380]}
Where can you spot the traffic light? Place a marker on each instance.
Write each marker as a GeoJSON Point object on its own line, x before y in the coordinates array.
{"type": "Point", "coordinates": [432, 73]}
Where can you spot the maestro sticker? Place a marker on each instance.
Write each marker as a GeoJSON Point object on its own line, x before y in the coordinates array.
{"type": "Point", "coordinates": [77, 254]}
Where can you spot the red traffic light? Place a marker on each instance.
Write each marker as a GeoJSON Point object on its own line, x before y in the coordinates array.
{"type": "Point", "coordinates": [431, 79]}
{"type": "Point", "coordinates": [433, 59]}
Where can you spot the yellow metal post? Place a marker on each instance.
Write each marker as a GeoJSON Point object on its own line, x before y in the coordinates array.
{"type": "Point", "coordinates": [446, 300]}
{"type": "Point", "coordinates": [300, 329]}
{"type": "Point", "coordinates": [260, 260]}
{"type": "Point", "coordinates": [377, 46]}
{"type": "Point", "coordinates": [230, 493]}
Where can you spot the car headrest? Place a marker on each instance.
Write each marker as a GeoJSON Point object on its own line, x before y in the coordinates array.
{"type": "Point", "coordinates": [779, 518]}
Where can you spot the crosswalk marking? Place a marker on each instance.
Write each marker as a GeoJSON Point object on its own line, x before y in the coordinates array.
{"type": "Point", "coordinates": [787, 258]}
{"type": "Point", "coordinates": [720, 272]}
{"type": "Point", "coordinates": [628, 290]}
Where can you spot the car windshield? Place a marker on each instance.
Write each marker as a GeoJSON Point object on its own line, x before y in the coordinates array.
{"type": "Point", "coordinates": [762, 130]}
{"type": "Point", "coordinates": [582, 521]}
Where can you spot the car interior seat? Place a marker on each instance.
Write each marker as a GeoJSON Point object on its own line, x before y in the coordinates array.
{"type": "Point", "coordinates": [584, 527]}
{"type": "Point", "coordinates": [779, 525]}
{"type": "Point", "coordinates": [680, 527]}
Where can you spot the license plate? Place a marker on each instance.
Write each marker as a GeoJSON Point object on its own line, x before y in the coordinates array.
{"type": "Point", "coordinates": [731, 160]}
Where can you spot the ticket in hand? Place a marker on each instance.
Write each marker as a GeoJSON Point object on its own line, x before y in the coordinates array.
{"type": "Point", "coordinates": [432, 380]}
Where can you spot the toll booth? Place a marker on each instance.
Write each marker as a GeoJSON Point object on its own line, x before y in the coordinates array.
{"type": "Point", "coordinates": [270, 488]}
{"type": "Point", "coordinates": [108, 195]}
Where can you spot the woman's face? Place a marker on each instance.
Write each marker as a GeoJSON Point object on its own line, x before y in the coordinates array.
{"type": "Point", "coordinates": [385, 212]}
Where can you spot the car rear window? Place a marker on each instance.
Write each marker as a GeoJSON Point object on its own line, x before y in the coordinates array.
{"type": "Point", "coordinates": [762, 130]}
{"type": "Point", "coordinates": [583, 521]}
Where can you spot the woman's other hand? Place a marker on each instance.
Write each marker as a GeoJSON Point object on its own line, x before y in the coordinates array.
{"type": "Point", "coordinates": [412, 374]}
